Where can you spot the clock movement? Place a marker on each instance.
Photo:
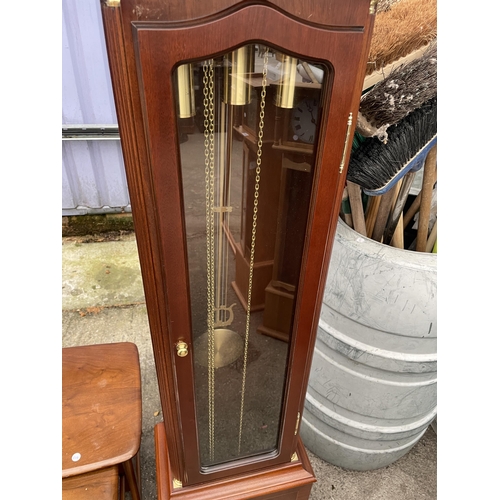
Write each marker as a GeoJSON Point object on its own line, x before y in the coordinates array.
{"type": "Point", "coordinates": [236, 122]}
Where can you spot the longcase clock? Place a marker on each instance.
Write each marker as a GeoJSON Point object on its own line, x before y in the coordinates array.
{"type": "Point", "coordinates": [236, 122]}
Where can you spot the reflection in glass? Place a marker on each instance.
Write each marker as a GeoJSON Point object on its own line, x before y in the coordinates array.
{"type": "Point", "coordinates": [247, 160]}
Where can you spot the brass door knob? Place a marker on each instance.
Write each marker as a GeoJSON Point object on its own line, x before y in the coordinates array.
{"type": "Point", "coordinates": [182, 349]}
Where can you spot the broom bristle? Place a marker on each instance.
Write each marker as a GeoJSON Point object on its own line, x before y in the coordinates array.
{"type": "Point", "coordinates": [400, 93]}
{"type": "Point", "coordinates": [407, 26]}
{"type": "Point", "coordinates": [385, 5]}
{"type": "Point", "coordinates": [375, 166]}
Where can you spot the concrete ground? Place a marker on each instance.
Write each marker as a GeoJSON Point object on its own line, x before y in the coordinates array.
{"type": "Point", "coordinates": [103, 301]}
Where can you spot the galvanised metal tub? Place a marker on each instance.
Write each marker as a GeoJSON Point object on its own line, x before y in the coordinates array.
{"type": "Point", "coordinates": [373, 386]}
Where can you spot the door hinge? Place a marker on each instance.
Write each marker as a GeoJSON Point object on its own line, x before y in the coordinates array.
{"type": "Point", "coordinates": [346, 143]}
{"type": "Point", "coordinates": [297, 423]}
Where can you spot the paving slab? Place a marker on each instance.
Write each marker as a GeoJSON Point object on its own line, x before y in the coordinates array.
{"type": "Point", "coordinates": [100, 273]}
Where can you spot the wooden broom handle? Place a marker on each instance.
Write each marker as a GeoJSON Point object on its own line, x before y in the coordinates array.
{"type": "Point", "coordinates": [415, 206]}
{"type": "Point", "coordinates": [383, 213]}
{"type": "Point", "coordinates": [410, 213]}
{"type": "Point", "coordinates": [398, 239]}
{"type": "Point", "coordinates": [371, 214]}
{"type": "Point", "coordinates": [398, 206]}
{"type": "Point", "coordinates": [432, 238]}
{"type": "Point", "coordinates": [358, 216]}
{"type": "Point", "coordinates": [430, 169]}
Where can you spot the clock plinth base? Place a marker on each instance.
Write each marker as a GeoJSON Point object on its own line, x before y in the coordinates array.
{"type": "Point", "coordinates": [290, 481]}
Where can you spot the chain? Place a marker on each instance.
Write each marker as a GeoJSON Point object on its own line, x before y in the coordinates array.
{"type": "Point", "coordinates": [254, 232]}
{"type": "Point", "coordinates": [209, 127]}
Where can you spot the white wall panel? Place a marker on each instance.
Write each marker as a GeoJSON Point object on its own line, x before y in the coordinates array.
{"type": "Point", "coordinates": [93, 177]}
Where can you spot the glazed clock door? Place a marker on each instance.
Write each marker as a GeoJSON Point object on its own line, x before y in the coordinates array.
{"type": "Point", "coordinates": [218, 190]}
{"type": "Point", "coordinates": [239, 376]}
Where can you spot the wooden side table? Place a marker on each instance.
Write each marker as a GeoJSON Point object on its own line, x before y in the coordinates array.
{"type": "Point", "coordinates": [102, 484]}
{"type": "Point", "coordinates": [101, 416]}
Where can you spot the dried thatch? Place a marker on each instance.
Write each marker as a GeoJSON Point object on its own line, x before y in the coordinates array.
{"type": "Point", "coordinates": [384, 5]}
{"type": "Point", "coordinates": [407, 26]}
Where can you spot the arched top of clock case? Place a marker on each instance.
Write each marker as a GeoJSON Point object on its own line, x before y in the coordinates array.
{"type": "Point", "coordinates": [248, 22]}
{"type": "Point", "coordinates": [319, 12]}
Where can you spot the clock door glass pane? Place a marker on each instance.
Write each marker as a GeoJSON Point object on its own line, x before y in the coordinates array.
{"type": "Point", "coordinates": [247, 129]}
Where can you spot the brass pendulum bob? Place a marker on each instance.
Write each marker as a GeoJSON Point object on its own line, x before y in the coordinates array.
{"type": "Point", "coordinates": [228, 346]}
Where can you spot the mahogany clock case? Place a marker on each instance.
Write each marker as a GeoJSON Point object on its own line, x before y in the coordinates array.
{"type": "Point", "coordinates": [146, 42]}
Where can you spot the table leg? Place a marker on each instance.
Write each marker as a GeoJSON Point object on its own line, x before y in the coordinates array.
{"type": "Point", "coordinates": [130, 475]}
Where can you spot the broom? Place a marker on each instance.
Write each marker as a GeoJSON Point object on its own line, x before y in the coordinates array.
{"type": "Point", "coordinates": [400, 33]}
{"type": "Point", "coordinates": [404, 90]}
{"type": "Point", "coordinates": [377, 167]}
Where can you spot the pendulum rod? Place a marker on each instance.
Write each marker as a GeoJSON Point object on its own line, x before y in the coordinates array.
{"type": "Point", "coordinates": [208, 112]}
{"type": "Point", "coordinates": [254, 231]}
{"type": "Point", "coordinates": [227, 192]}
{"type": "Point", "coordinates": [219, 300]}
{"type": "Point", "coordinates": [223, 313]}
